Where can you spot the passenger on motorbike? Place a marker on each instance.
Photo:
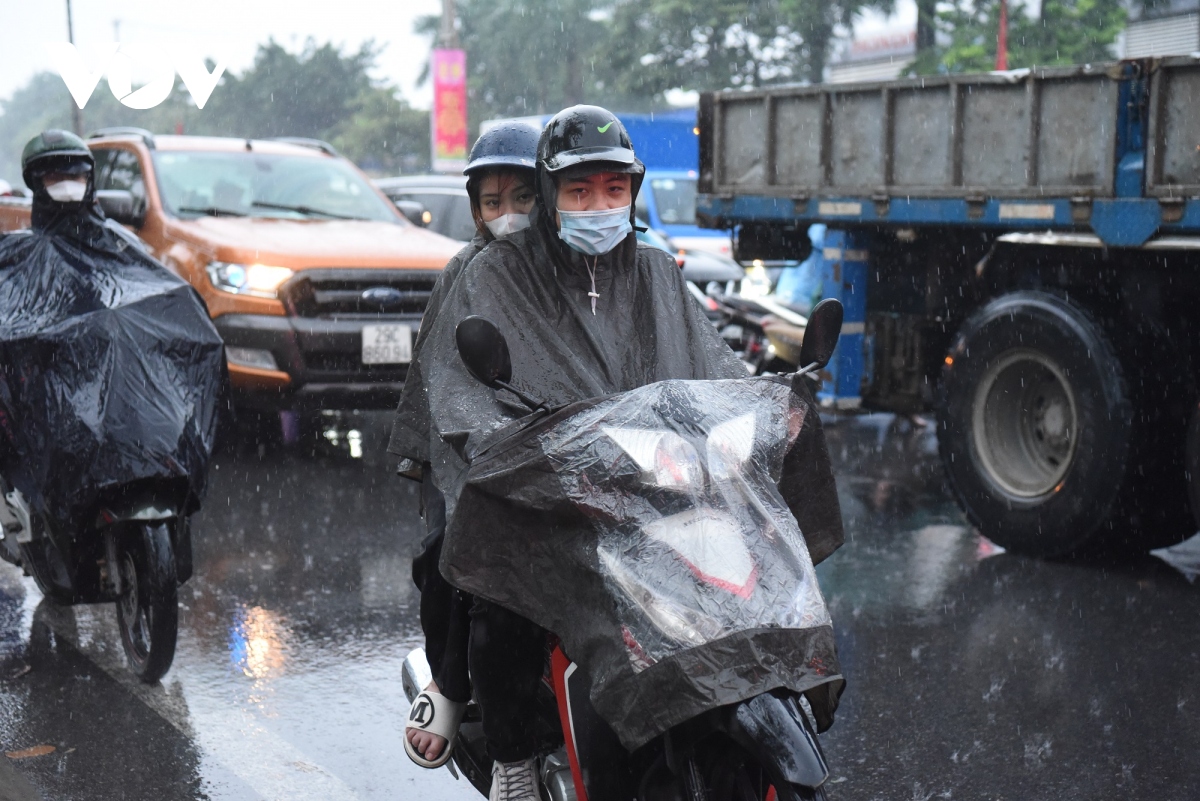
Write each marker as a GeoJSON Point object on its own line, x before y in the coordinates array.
{"type": "Point", "coordinates": [500, 187]}
{"type": "Point", "coordinates": [575, 289]}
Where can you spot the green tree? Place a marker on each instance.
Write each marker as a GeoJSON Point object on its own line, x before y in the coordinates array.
{"type": "Point", "coordinates": [713, 44]}
{"type": "Point", "coordinates": [1064, 32]}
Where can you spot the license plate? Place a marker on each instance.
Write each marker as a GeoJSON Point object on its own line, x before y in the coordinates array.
{"type": "Point", "coordinates": [386, 344]}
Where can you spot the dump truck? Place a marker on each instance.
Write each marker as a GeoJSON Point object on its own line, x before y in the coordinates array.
{"type": "Point", "coordinates": [1018, 253]}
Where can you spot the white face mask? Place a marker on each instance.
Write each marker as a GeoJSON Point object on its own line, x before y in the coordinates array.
{"type": "Point", "coordinates": [71, 191]}
{"type": "Point", "coordinates": [594, 233]}
{"type": "Point", "coordinates": [507, 224]}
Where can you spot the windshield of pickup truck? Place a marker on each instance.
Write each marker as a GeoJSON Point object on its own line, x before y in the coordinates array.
{"type": "Point", "coordinates": [195, 184]}
{"type": "Point", "coordinates": [675, 199]}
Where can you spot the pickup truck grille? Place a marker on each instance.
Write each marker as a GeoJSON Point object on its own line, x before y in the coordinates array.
{"type": "Point", "coordinates": [358, 293]}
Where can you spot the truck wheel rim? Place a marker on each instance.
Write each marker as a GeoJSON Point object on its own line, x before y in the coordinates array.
{"type": "Point", "coordinates": [1024, 424]}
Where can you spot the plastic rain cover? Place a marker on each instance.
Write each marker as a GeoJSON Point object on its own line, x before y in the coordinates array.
{"type": "Point", "coordinates": [110, 372]}
{"type": "Point", "coordinates": [667, 536]}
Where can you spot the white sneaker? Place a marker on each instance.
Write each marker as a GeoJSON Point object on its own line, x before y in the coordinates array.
{"type": "Point", "coordinates": [515, 781]}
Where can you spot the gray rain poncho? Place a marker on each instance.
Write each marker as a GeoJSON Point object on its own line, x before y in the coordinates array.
{"type": "Point", "coordinates": [410, 431]}
{"type": "Point", "coordinates": [508, 544]}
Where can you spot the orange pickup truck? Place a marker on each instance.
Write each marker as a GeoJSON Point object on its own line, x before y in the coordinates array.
{"type": "Point", "coordinates": [312, 276]}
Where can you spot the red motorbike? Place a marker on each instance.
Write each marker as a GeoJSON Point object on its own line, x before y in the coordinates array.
{"type": "Point", "coordinates": [674, 529]}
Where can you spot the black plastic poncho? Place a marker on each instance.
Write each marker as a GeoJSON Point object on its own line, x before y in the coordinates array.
{"type": "Point", "coordinates": [110, 368]}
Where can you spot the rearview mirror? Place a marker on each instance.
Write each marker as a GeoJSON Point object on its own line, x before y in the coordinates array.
{"type": "Point", "coordinates": [484, 351]}
{"type": "Point", "coordinates": [118, 206]}
{"type": "Point", "coordinates": [821, 334]}
{"type": "Point", "coordinates": [416, 212]}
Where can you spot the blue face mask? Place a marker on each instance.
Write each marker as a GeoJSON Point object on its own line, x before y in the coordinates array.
{"type": "Point", "coordinates": [594, 233]}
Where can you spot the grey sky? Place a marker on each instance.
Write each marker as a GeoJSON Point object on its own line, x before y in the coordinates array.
{"type": "Point", "coordinates": [233, 28]}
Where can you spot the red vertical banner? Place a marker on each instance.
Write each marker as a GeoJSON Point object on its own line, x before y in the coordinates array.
{"type": "Point", "coordinates": [449, 118]}
{"type": "Point", "coordinates": [1002, 37]}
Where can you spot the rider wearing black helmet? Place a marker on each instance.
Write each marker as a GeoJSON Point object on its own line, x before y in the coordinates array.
{"type": "Point", "coordinates": [588, 312]}
{"type": "Point", "coordinates": [500, 173]}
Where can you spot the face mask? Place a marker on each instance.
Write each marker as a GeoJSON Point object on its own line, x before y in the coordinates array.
{"type": "Point", "coordinates": [507, 224]}
{"type": "Point", "coordinates": [67, 191]}
{"type": "Point", "coordinates": [594, 233]}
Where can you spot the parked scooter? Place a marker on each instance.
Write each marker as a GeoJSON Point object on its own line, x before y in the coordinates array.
{"type": "Point", "coordinates": [702, 528]}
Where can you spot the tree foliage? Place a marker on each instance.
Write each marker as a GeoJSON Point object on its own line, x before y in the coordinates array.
{"type": "Point", "coordinates": [1063, 32]}
{"type": "Point", "coordinates": [537, 56]}
{"type": "Point", "coordinates": [319, 92]}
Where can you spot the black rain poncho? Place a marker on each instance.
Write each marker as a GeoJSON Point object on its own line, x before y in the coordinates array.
{"type": "Point", "coordinates": [110, 369]}
{"type": "Point", "coordinates": [506, 542]}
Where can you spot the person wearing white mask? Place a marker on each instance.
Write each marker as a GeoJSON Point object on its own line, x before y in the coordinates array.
{"type": "Point", "coordinates": [57, 166]}
{"type": "Point", "coordinates": [587, 311]}
{"type": "Point", "coordinates": [500, 175]}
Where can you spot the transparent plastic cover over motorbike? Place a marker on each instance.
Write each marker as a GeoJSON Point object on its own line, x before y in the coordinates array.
{"type": "Point", "coordinates": [693, 538]}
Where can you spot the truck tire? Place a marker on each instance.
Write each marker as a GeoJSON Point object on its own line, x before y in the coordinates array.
{"type": "Point", "coordinates": [1036, 425]}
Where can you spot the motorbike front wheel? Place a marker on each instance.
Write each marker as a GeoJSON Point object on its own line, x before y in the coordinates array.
{"type": "Point", "coordinates": [148, 609]}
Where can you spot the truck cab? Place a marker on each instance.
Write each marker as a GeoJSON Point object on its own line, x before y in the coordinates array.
{"type": "Point", "coordinates": [667, 204]}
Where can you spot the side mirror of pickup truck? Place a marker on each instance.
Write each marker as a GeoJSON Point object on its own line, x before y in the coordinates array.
{"type": "Point", "coordinates": [118, 205]}
{"type": "Point", "coordinates": [416, 212]}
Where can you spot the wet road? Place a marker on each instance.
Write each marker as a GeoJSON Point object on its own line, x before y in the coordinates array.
{"type": "Point", "coordinates": [972, 674]}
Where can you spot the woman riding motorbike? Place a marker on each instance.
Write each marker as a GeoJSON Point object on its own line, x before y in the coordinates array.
{"type": "Point", "coordinates": [500, 187]}
{"type": "Point", "coordinates": [592, 313]}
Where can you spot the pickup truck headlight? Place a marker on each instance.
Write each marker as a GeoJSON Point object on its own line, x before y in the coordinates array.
{"type": "Point", "coordinates": [261, 280]}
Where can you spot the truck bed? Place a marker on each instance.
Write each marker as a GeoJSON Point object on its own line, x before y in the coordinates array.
{"type": "Point", "coordinates": [1113, 147]}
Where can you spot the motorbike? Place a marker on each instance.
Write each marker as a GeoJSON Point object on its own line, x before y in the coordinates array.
{"type": "Point", "coordinates": [690, 564]}
{"type": "Point", "coordinates": [135, 552]}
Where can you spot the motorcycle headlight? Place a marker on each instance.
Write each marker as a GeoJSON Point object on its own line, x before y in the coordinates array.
{"type": "Point", "coordinates": [730, 445]}
{"type": "Point", "coordinates": [261, 280]}
{"type": "Point", "coordinates": [667, 460]}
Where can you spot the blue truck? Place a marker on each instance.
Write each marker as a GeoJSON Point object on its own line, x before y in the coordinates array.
{"type": "Point", "coordinates": [1017, 252]}
{"type": "Point", "coordinates": [667, 142]}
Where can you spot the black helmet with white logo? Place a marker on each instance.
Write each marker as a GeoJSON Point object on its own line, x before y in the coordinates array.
{"type": "Point", "coordinates": [584, 139]}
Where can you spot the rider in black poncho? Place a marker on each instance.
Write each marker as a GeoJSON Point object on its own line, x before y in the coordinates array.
{"type": "Point", "coordinates": [587, 311]}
